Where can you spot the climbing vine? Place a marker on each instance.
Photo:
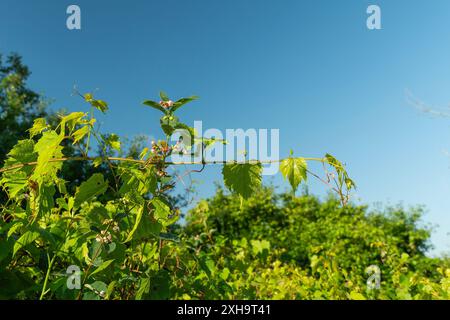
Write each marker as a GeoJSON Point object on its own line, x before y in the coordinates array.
{"type": "Point", "coordinates": [123, 246]}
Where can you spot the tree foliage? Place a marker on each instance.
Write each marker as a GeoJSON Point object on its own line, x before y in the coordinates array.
{"type": "Point", "coordinates": [19, 105]}
{"type": "Point", "coordinates": [280, 247]}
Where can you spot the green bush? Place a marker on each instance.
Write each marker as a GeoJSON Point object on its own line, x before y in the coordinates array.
{"type": "Point", "coordinates": [280, 247]}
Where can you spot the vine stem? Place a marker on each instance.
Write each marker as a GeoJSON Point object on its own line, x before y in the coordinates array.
{"type": "Point", "coordinates": [50, 265]}
{"type": "Point", "coordinates": [203, 163]}
{"type": "Point", "coordinates": [33, 163]}
{"type": "Point", "coordinates": [94, 257]}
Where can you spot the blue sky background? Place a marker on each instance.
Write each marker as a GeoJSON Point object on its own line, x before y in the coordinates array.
{"type": "Point", "coordinates": [310, 68]}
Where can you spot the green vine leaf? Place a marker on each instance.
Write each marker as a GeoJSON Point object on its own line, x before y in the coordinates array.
{"type": "Point", "coordinates": [72, 119]}
{"type": "Point", "coordinates": [144, 288]}
{"type": "Point", "coordinates": [102, 267]}
{"type": "Point", "coordinates": [294, 170]}
{"type": "Point", "coordinates": [48, 147]}
{"type": "Point", "coordinates": [98, 104]}
{"type": "Point", "coordinates": [332, 161]}
{"type": "Point", "coordinates": [26, 239]}
{"type": "Point", "coordinates": [94, 186]}
{"type": "Point", "coordinates": [79, 134]}
{"type": "Point", "coordinates": [39, 125]}
{"type": "Point", "coordinates": [343, 177]}
{"type": "Point", "coordinates": [162, 212]}
{"type": "Point", "coordinates": [22, 152]}
{"type": "Point", "coordinates": [16, 181]}
{"type": "Point", "coordinates": [136, 225]}
{"type": "Point", "coordinates": [242, 179]}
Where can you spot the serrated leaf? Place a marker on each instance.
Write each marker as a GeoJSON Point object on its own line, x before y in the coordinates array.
{"type": "Point", "coordinates": [349, 183]}
{"type": "Point", "coordinates": [110, 289]}
{"type": "Point", "coordinates": [26, 239]}
{"type": "Point", "coordinates": [225, 273]}
{"type": "Point", "coordinates": [162, 211]}
{"type": "Point", "coordinates": [72, 119]}
{"type": "Point", "coordinates": [14, 229]}
{"type": "Point", "coordinates": [48, 147]}
{"type": "Point", "coordinates": [179, 103]}
{"type": "Point", "coordinates": [154, 105]}
{"type": "Point", "coordinates": [45, 199]}
{"type": "Point", "coordinates": [113, 141]}
{"type": "Point", "coordinates": [94, 186]}
{"type": "Point", "coordinates": [138, 182]}
{"type": "Point", "coordinates": [334, 162]}
{"type": "Point", "coordinates": [80, 133]}
{"type": "Point", "coordinates": [243, 179]}
{"type": "Point", "coordinates": [102, 267]}
{"type": "Point", "coordinates": [136, 224]}
{"type": "Point", "coordinates": [144, 288]}
{"type": "Point", "coordinates": [208, 266]}
{"type": "Point", "coordinates": [294, 170]}
{"type": "Point", "coordinates": [16, 181]}
{"type": "Point", "coordinates": [22, 152]}
{"type": "Point", "coordinates": [39, 125]}
{"type": "Point", "coordinates": [163, 96]}
{"type": "Point", "coordinates": [258, 246]}
{"type": "Point", "coordinates": [343, 177]}
{"type": "Point", "coordinates": [100, 105]}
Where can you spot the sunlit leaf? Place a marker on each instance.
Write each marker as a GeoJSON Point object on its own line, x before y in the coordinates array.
{"type": "Point", "coordinates": [39, 125]}
{"type": "Point", "coordinates": [102, 267]}
{"type": "Point", "coordinates": [243, 179]}
{"type": "Point", "coordinates": [136, 225]}
{"type": "Point", "coordinates": [179, 103]}
{"type": "Point", "coordinates": [26, 239]}
{"type": "Point", "coordinates": [294, 170]}
{"type": "Point", "coordinates": [164, 96]}
{"type": "Point", "coordinates": [80, 133]}
{"type": "Point", "coordinates": [48, 148]}
{"type": "Point", "coordinates": [94, 186]}
{"type": "Point", "coordinates": [155, 105]}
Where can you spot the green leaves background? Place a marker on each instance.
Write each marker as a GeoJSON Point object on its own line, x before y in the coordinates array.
{"type": "Point", "coordinates": [294, 170]}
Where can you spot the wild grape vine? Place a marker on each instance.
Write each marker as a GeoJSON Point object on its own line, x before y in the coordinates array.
{"type": "Point", "coordinates": [123, 247]}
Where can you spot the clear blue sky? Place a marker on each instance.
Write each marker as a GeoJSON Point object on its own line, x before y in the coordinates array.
{"type": "Point", "coordinates": [309, 68]}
